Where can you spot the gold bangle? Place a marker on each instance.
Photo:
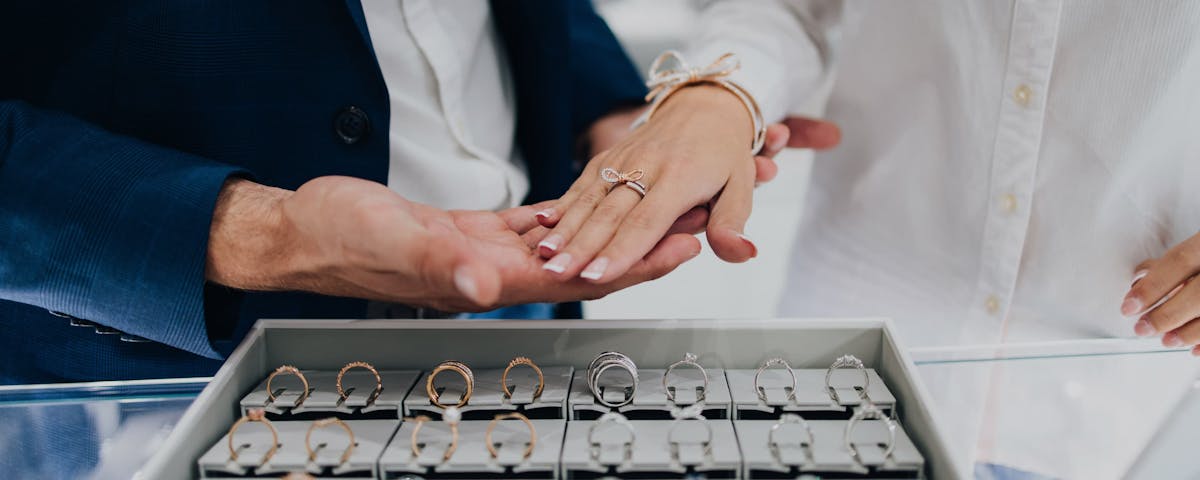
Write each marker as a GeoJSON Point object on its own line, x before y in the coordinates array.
{"type": "Point", "coordinates": [378, 380]}
{"type": "Point", "coordinates": [288, 369]}
{"type": "Point", "coordinates": [451, 417]}
{"type": "Point", "coordinates": [456, 367]}
{"type": "Point", "coordinates": [522, 361]}
{"type": "Point", "coordinates": [325, 422]}
{"type": "Point", "coordinates": [491, 446]}
{"type": "Point", "coordinates": [253, 415]}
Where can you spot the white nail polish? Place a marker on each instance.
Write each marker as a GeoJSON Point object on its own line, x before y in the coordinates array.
{"type": "Point", "coordinates": [558, 264]}
{"type": "Point", "coordinates": [547, 213]}
{"type": "Point", "coordinates": [551, 243]}
{"type": "Point", "coordinates": [596, 269]}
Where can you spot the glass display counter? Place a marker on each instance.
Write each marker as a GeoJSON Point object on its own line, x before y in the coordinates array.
{"type": "Point", "coordinates": [1105, 408]}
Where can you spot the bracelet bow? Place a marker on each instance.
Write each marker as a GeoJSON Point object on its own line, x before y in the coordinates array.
{"type": "Point", "coordinates": [662, 80]}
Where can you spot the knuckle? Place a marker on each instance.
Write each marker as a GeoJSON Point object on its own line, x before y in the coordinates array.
{"type": "Point", "coordinates": [640, 220]}
{"type": "Point", "coordinates": [607, 213]}
{"type": "Point", "coordinates": [1187, 255]}
{"type": "Point", "coordinates": [591, 196]}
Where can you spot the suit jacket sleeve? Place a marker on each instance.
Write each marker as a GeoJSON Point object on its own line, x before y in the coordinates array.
{"type": "Point", "coordinates": [105, 227]}
{"type": "Point", "coordinates": [603, 76]}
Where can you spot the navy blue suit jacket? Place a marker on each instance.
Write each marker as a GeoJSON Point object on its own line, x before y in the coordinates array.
{"type": "Point", "coordinates": [121, 120]}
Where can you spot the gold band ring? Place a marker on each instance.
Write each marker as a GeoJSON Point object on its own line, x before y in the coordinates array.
{"type": "Point", "coordinates": [451, 416]}
{"type": "Point", "coordinates": [378, 381]}
{"type": "Point", "coordinates": [325, 422]}
{"type": "Point", "coordinates": [491, 446]}
{"type": "Point", "coordinates": [523, 361]}
{"type": "Point", "coordinates": [254, 415]}
{"type": "Point", "coordinates": [287, 369]}
{"type": "Point", "coordinates": [451, 366]}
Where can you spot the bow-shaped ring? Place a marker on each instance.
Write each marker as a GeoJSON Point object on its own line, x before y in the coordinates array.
{"type": "Point", "coordinates": [612, 176]}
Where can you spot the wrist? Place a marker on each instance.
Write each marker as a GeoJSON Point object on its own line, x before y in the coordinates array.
{"type": "Point", "coordinates": [248, 243]}
{"type": "Point", "coordinates": [712, 105]}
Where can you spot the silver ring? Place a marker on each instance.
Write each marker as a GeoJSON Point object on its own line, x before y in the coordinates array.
{"type": "Point", "coordinates": [689, 359]}
{"type": "Point", "coordinates": [690, 413]}
{"type": "Point", "coordinates": [847, 361]}
{"type": "Point", "coordinates": [604, 362]}
{"type": "Point", "coordinates": [615, 419]}
{"type": "Point", "coordinates": [762, 394]}
{"type": "Point", "coordinates": [788, 419]}
{"type": "Point", "coordinates": [865, 411]}
{"type": "Point", "coordinates": [637, 187]}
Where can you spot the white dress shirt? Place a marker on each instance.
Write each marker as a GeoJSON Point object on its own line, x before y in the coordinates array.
{"type": "Point", "coordinates": [452, 106]}
{"type": "Point", "coordinates": [1003, 168]}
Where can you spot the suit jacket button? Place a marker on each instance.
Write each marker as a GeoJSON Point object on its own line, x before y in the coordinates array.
{"type": "Point", "coordinates": [352, 125]}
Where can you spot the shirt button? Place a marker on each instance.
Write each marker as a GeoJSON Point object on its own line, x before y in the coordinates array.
{"type": "Point", "coordinates": [351, 125]}
{"type": "Point", "coordinates": [1008, 202]}
{"type": "Point", "coordinates": [992, 304]}
{"type": "Point", "coordinates": [1022, 95]}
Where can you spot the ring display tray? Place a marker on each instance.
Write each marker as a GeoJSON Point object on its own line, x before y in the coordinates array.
{"type": "Point", "coordinates": [811, 399]}
{"type": "Point", "coordinates": [323, 399]}
{"type": "Point", "coordinates": [488, 397]}
{"type": "Point", "coordinates": [725, 348]}
{"type": "Point", "coordinates": [471, 458]}
{"type": "Point", "coordinates": [650, 400]}
{"type": "Point", "coordinates": [649, 450]}
{"type": "Point", "coordinates": [791, 455]}
{"type": "Point", "coordinates": [253, 442]}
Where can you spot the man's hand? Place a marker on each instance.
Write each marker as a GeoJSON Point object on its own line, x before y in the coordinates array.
{"type": "Point", "coordinates": [1166, 298]}
{"type": "Point", "coordinates": [349, 237]}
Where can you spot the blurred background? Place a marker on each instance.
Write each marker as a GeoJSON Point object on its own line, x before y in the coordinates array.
{"type": "Point", "coordinates": [707, 287]}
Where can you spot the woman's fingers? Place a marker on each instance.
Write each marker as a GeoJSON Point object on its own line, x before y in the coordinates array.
{"type": "Point", "coordinates": [812, 133]}
{"type": "Point", "coordinates": [524, 218]}
{"type": "Point", "coordinates": [1178, 264]}
{"type": "Point", "coordinates": [580, 251]}
{"type": "Point", "coordinates": [549, 215]}
{"type": "Point", "coordinates": [1182, 307]}
{"type": "Point", "coordinates": [728, 220]}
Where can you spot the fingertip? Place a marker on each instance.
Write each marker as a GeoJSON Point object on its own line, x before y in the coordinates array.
{"type": "Point", "coordinates": [479, 283]}
{"type": "Point", "coordinates": [731, 245]}
{"type": "Point", "coordinates": [765, 170]}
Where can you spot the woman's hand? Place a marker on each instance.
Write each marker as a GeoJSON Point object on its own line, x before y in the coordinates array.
{"type": "Point", "coordinates": [1165, 297]}
{"type": "Point", "coordinates": [696, 160]}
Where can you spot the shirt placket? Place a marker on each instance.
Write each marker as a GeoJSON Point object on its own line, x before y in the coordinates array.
{"type": "Point", "coordinates": [1031, 48]}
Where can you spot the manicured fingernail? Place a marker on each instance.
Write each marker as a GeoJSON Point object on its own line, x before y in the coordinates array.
{"type": "Point", "coordinates": [1143, 328]}
{"type": "Point", "coordinates": [551, 243]}
{"type": "Point", "coordinates": [1172, 340]}
{"type": "Point", "coordinates": [596, 269]}
{"type": "Point", "coordinates": [559, 263]}
{"type": "Point", "coordinates": [1131, 306]}
{"type": "Point", "coordinates": [753, 247]}
{"type": "Point", "coordinates": [547, 213]}
{"type": "Point", "coordinates": [466, 284]}
{"type": "Point", "coordinates": [1140, 274]}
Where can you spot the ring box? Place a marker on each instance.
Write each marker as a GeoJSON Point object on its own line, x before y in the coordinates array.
{"type": "Point", "coordinates": [407, 345]}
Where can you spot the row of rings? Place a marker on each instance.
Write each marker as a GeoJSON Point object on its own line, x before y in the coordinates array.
{"type": "Point", "coordinates": [342, 393]}
{"type": "Point", "coordinates": [452, 416]}
{"type": "Point", "coordinates": [469, 377]}
{"type": "Point", "coordinates": [866, 411]}
{"type": "Point", "coordinates": [845, 361]}
{"type": "Point", "coordinates": [258, 415]}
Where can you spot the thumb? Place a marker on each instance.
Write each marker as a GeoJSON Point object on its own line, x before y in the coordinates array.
{"type": "Point", "coordinates": [453, 269]}
{"type": "Point", "coordinates": [812, 133]}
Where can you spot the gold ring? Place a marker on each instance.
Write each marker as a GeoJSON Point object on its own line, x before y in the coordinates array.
{"type": "Point", "coordinates": [325, 422]}
{"type": "Point", "coordinates": [290, 370]}
{"type": "Point", "coordinates": [254, 415]}
{"type": "Point", "coordinates": [505, 416]}
{"type": "Point", "coordinates": [342, 373]}
{"type": "Point", "coordinates": [522, 361]}
{"type": "Point", "coordinates": [456, 367]}
{"type": "Point", "coordinates": [451, 416]}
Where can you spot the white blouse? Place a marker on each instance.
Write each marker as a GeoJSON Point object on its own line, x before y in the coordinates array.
{"type": "Point", "coordinates": [1003, 168]}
